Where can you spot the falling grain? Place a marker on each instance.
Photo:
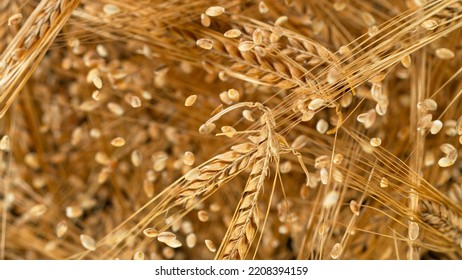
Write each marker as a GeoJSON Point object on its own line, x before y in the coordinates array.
{"type": "Point", "coordinates": [413, 231]}
{"type": "Point", "coordinates": [232, 33]}
{"type": "Point", "coordinates": [191, 240]}
{"type": "Point", "coordinates": [375, 142]}
{"type": "Point", "coordinates": [444, 53]}
{"type": "Point", "coordinates": [15, 19]}
{"type": "Point", "coordinates": [430, 24]}
{"type": "Point", "coordinates": [88, 242]}
{"type": "Point", "coordinates": [336, 251]}
{"type": "Point", "coordinates": [210, 245]}
{"type": "Point", "coordinates": [215, 11]}
{"type": "Point", "coordinates": [330, 199]}
{"type": "Point", "coordinates": [188, 158]}
{"type": "Point", "coordinates": [150, 232]}
{"type": "Point", "coordinates": [204, 43]}
{"type": "Point", "coordinates": [354, 207]}
{"type": "Point", "coordinates": [384, 182]}
{"type": "Point", "coordinates": [166, 236]}
{"type": "Point", "coordinates": [203, 216]}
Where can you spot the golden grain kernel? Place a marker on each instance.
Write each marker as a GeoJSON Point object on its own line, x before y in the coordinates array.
{"type": "Point", "coordinates": [191, 240]}
{"type": "Point", "coordinates": [384, 182]}
{"type": "Point", "coordinates": [281, 20]}
{"type": "Point", "coordinates": [101, 50]}
{"type": "Point", "coordinates": [150, 232]}
{"type": "Point", "coordinates": [262, 8]}
{"type": "Point", "coordinates": [308, 115]}
{"type": "Point", "coordinates": [102, 158]}
{"type": "Point", "coordinates": [373, 30]}
{"type": "Point", "coordinates": [192, 174]}
{"type": "Point", "coordinates": [134, 101]}
{"type": "Point", "coordinates": [61, 229]}
{"type": "Point", "coordinates": [247, 114]}
{"type": "Point", "coordinates": [118, 142]}
{"type": "Point", "coordinates": [138, 256]}
{"type": "Point", "coordinates": [136, 158]}
{"type": "Point", "coordinates": [148, 188]}
{"type": "Point", "coordinates": [354, 207]}
{"type": "Point", "coordinates": [173, 243]}
{"type": "Point", "coordinates": [299, 142]}
{"type": "Point", "coordinates": [322, 126]}
{"type": "Point", "coordinates": [444, 53]}
{"type": "Point", "coordinates": [206, 128]}
{"type": "Point", "coordinates": [233, 95]}
{"type": "Point", "coordinates": [368, 18]}
{"type": "Point", "coordinates": [336, 251]}
{"type": "Point", "coordinates": [245, 46]}
{"type": "Point", "coordinates": [115, 108]}
{"type": "Point", "coordinates": [232, 33]}
{"type": "Point", "coordinates": [436, 127]}
{"type": "Point", "coordinates": [205, 20]}
{"type": "Point", "coordinates": [188, 158]}
{"type": "Point", "coordinates": [15, 19]}
{"type": "Point", "coordinates": [257, 36]}
{"type": "Point", "coordinates": [413, 231]}
{"type": "Point", "coordinates": [111, 9]}
{"type": "Point", "coordinates": [215, 11]}
{"type": "Point", "coordinates": [406, 61]}
{"type": "Point", "coordinates": [210, 245]}
{"type": "Point", "coordinates": [316, 104]}
{"type": "Point", "coordinates": [166, 236]}
{"type": "Point", "coordinates": [190, 100]}
{"type": "Point", "coordinates": [206, 44]}
{"type": "Point", "coordinates": [340, 5]}
{"type": "Point", "coordinates": [38, 210]}
{"type": "Point", "coordinates": [338, 158]}
{"type": "Point", "coordinates": [88, 242]}
{"type": "Point", "coordinates": [32, 160]}
{"type": "Point", "coordinates": [203, 216]}
{"type": "Point", "coordinates": [285, 167]}
{"type": "Point", "coordinates": [324, 175]}
{"type": "Point", "coordinates": [445, 162]}
{"type": "Point", "coordinates": [375, 142]}
{"type": "Point", "coordinates": [330, 199]}
{"type": "Point", "coordinates": [5, 143]}
{"type": "Point", "coordinates": [333, 75]}
{"type": "Point", "coordinates": [228, 131]}
{"type": "Point", "coordinates": [430, 24]}
{"type": "Point", "coordinates": [73, 212]}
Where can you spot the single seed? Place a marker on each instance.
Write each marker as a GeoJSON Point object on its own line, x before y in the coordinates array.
{"type": "Point", "coordinates": [38, 210]}
{"type": "Point", "coordinates": [215, 11]}
{"type": "Point", "coordinates": [333, 75]}
{"type": "Point", "coordinates": [384, 182]}
{"type": "Point", "coordinates": [247, 114]}
{"type": "Point", "coordinates": [148, 188]}
{"type": "Point", "coordinates": [229, 131]}
{"type": "Point", "coordinates": [372, 31]}
{"type": "Point", "coordinates": [115, 108]}
{"type": "Point", "coordinates": [5, 143]}
{"type": "Point", "coordinates": [15, 19]}
{"type": "Point", "coordinates": [188, 158]}
{"type": "Point", "coordinates": [330, 199]}
{"type": "Point", "coordinates": [205, 20]}
{"type": "Point", "coordinates": [257, 36]}
{"type": "Point", "coordinates": [445, 162]}
{"type": "Point", "coordinates": [368, 18]}
{"type": "Point", "coordinates": [204, 43]}
{"type": "Point", "coordinates": [233, 33]}
{"type": "Point", "coordinates": [430, 24]}
{"type": "Point", "coordinates": [340, 5]}
{"type": "Point", "coordinates": [191, 240]}
{"type": "Point", "coordinates": [190, 100]}
{"type": "Point", "coordinates": [101, 50]}
{"type": "Point", "coordinates": [375, 142]}
{"type": "Point", "coordinates": [285, 167]}
{"type": "Point", "coordinates": [338, 158]}
{"type": "Point", "coordinates": [173, 243]}
{"type": "Point", "coordinates": [233, 95]}
{"type": "Point", "coordinates": [134, 101]}
{"type": "Point", "coordinates": [336, 251]}
{"type": "Point", "coordinates": [203, 216]}
{"type": "Point", "coordinates": [406, 61]}
{"type": "Point", "coordinates": [88, 242]}
{"type": "Point", "coordinates": [210, 245]}
{"type": "Point", "coordinates": [61, 229]}
{"type": "Point", "coordinates": [436, 127]}
{"type": "Point", "coordinates": [316, 104]}
{"type": "Point", "coordinates": [150, 232]}
{"type": "Point", "coordinates": [138, 256]}
{"type": "Point", "coordinates": [97, 82]}
{"type": "Point", "coordinates": [111, 9]}
{"type": "Point", "coordinates": [118, 142]}
{"type": "Point", "coordinates": [246, 46]}
{"type": "Point", "coordinates": [166, 236]}
{"type": "Point", "coordinates": [281, 20]}
{"type": "Point", "coordinates": [206, 128]}
{"type": "Point", "coordinates": [192, 174]}
{"type": "Point", "coordinates": [444, 53]}
{"type": "Point", "coordinates": [324, 176]}
{"type": "Point", "coordinates": [73, 212]}
{"type": "Point", "coordinates": [354, 207]}
{"type": "Point", "coordinates": [262, 8]}
{"type": "Point", "coordinates": [343, 50]}
{"type": "Point", "coordinates": [299, 142]}
{"type": "Point", "coordinates": [136, 158]}
{"type": "Point", "coordinates": [322, 126]}
{"type": "Point", "coordinates": [413, 231]}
